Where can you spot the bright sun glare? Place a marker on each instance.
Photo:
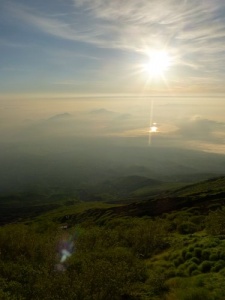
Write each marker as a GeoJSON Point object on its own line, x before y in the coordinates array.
{"type": "Point", "coordinates": [159, 62]}
{"type": "Point", "coordinates": [153, 128]}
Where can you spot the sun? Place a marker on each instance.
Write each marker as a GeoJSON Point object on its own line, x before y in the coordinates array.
{"type": "Point", "coordinates": [159, 62]}
{"type": "Point", "coordinates": [154, 128]}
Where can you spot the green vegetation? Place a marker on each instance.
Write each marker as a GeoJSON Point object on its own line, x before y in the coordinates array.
{"type": "Point", "coordinates": [116, 252]}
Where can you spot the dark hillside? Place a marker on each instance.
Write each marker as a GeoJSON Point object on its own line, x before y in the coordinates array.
{"type": "Point", "coordinates": [204, 196]}
{"type": "Point", "coordinates": [119, 188]}
{"type": "Point", "coordinates": [212, 186]}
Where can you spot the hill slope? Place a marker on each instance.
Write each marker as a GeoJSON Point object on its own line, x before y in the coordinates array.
{"type": "Point", "coordinates": [203, 196]}
{"type": "Point", "coordinates": [176, 251]}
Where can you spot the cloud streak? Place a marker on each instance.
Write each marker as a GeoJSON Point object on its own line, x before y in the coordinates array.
{"type": "Point", "coordinates": [124, 21]}
{"type": "Point", "coordinates": [193, 33]}
{"type": "Point", "coordinates": [198, 128]}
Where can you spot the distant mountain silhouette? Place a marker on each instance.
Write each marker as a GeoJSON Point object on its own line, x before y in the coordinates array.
{"type": "Point", "coordinates": [102, 111]}
{"type": "Point", "coordinates": [60, 116]}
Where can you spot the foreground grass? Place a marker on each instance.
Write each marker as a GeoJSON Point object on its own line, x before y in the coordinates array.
{"type": "Point", "coordinates": [179, 256]}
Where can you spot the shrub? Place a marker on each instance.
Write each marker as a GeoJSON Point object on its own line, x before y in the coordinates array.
{"type": "Point", "coordinates": [195, 260]}
{"type": "Point", "coordinates": [198, 221]}
{"type": "Point", "coordinates": [188, 255]}
{"type": "Point", "coordinates": [157, 283]}
{"type": "Point", "coordinates": [222, 272]}
{"type": "Point", "coordinates": [195, 272]}
{"type": "Point", "coordinates": [213, 257]}
{"type": "Point", "coordinates": [180, 273]}
{"type": "Point", "coordinates": [192, 268]}
{"type": "Point", "coordinates": [183, 253]}
{"type": "Point", "coordinates": [219, 265]}
{"type": "Point", "coordinates": [221, 254]}
{"type": "Point", "coordinates": [172, 226]}
{"type": "Point", "coordinates": [177, 262]}
{"type": "Point", "coordinates": [213, 243]}
{"type": "Point", "coordinates": [183, 269]}
{"type": "Point", "coordinates": [147, 237]}
{"type": "Point", "coordinates": [191, 248]}
{"type": "Point", "coordinates": [170, 273]}
{"type": "Point", "coordinates": [205, 254]}
{"type": "Point", "coordinates": [186, 228]}
{"type": "Point", "coordinates": [199, 281]}
{"type": "Point", "coordinates": [198, 252]}
{"type": "Point", "coordinates": [106, 274]}
{"type": "Point", "coordinates": [205, 266]}
{"type": "Point", "coordinates": [193, 294]}
{"type": "Point", "coordinates": [166, 257]}
{"type": "Point", "coordinates": [215, 222]}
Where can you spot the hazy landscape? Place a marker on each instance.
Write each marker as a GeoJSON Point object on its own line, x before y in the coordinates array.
{"type": "Point", "coordinates": [112, 150]}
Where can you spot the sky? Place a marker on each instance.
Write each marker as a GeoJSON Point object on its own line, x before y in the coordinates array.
{"type": "Point", "coordinates": [80, 56]}
{"type": "Point", "coordinates": [98, 46]}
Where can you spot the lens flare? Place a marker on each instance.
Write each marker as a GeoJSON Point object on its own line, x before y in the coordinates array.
{"type": "Point", "coordinates": [65, 248]}
{"type": "Point", "coordinates": [154, 128]}
{"type": "Point", "coordinates": [159, 62]}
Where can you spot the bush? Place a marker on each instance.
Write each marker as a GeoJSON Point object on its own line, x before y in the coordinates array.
{"type": "Point", "coordinates": [213, 257]}
{"type": "Point", "coordinates": [192, 268]}
{"type": "Point", "coordinates": [178, 261]}
{"type": "Point", "coordinates": [191, 248]}
{"type": "Point", "coordinates": [193, 294]}
{"type": "Point", "coordinates": [147, 237]}
{"type": "Point", "coordinates": [213, 243]}
{"type": "Point", "coordinates": [106, 274]}
{"type": "Point", "coordinates": [157, 283]}
{"type": "Point", "coordinates": [198, 221]}
{"type": "Point", "coordinates": [187, 228]}
{"type": "Point", "coordinates": [221, 254]}
{"type": "Point", "coordinates": [195, 272]}
{"type": "Point", "coordinates": [198, 252]}
{"type": "Point", "coordinates": [215, 222]}
{"type": "Point", "coordinates": [205, 254]}
{"type": "Point", "coordinates": [183, 269]}
{"type": "Point", "coordinates": [188, 255]}
{"type": "Point", "coordinates": [183, 253]}
{"type": "Point", "coordinates": [199, 281]}
{"type": "Point", "coordinates": [219, 265]}
{"type": "Point", "coordinates": [170, 273]}
{"type": "Point", "coordinates": [205, 266]}
{"type": "Point", "coordinates": [195, 260]}
{"type": "Point", "coordinates": [97, 238]}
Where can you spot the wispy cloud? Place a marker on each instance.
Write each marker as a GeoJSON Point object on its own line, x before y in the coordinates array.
{"type": "Point", "coordinates": [131, 23]}
{"type": "Point", "coordinates": [7, 43]}
{"type": "Point", "coordinates": [198, 128]}
{"type": "Point", "coordinates": [57, 25]}
{"type": "Point", "coordinates": [193, 32]}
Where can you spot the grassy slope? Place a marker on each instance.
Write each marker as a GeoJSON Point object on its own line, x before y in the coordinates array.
{"type": "Point", "coordinates": [141, 198]}
{"type": "Point", "coordinates": [125, 189]}
{"type": "Point", "coordinates": [202, 196]}
{"type": "Point", "coordinates": [214, 186]}
{"type": "Point", "coordinates": [191, 266]}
